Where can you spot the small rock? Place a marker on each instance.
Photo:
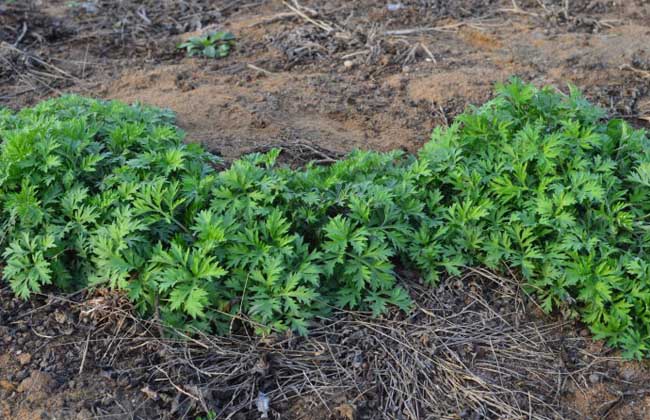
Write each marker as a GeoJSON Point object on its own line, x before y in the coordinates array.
{"type": "Point", "coordinates": [22, 374]}
{"type": "Point", "coordinates": [24, 359]}
{"type": "Point", "coordinates": [60, 317]}
{"type": "Point", "coordinates": [37, 382]}
{"type": "Point", "coordinates": [348, 64]}
{"type": "Point", "coordinates": [628, 374]}
{"type": "Point", "coordinates": [594, 378]}
{"type": "Point", "coordinates": [7, 386]}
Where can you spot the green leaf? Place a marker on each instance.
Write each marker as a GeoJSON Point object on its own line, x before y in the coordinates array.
{"type": "Point", "coordinates": [196, 302]}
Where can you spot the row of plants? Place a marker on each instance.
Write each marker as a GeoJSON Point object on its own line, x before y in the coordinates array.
{"type": "Point", "coordinates": [101, 193]}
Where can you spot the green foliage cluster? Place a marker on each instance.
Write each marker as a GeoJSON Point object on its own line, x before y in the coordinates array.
{"type": "Point", "coordinates": [211, 45]}
{"type": "Point", "coordinates": [538, 180]}
{"type": "Point", "coordinates": [95, 192]}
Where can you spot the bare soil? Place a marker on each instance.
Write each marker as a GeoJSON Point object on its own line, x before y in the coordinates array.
{"type": "Point", "coordinates": [319, 78]}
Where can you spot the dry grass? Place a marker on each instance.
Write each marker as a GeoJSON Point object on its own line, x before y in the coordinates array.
{"type": "Point", "coordinates": [469, 350]}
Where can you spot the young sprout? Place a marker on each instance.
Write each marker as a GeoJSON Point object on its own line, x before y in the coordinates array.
{"type": "Point", "coordinates": [211, 45]}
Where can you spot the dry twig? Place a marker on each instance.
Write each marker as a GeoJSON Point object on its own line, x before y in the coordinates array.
{"type": "Point", "coordinates": [303, 13]}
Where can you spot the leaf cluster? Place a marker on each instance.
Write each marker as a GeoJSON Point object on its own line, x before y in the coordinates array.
{"type": "Point", "coordinates": [211, 45]}
{"type": "Point", "coordinates": [95, 192]}
{"type": "Point", "coordinates": [537, 180]}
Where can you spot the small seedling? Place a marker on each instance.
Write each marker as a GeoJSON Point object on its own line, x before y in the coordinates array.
{"type": "Point", "coordinates": [212, 45]}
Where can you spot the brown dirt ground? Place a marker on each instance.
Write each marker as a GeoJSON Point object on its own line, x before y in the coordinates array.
{"type": "Point", "coordinates": [379, 79]}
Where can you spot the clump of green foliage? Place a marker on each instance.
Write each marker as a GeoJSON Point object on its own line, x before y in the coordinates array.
{"type": "Point", "coordinates": [539, 181]}
{"type": "Point", "coordinates": [95, 192]}
{"type": "Point", "coordinates": [211, 45]}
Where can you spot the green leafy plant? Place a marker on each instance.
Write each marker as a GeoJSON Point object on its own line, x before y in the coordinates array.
{"type": "Point", "coordinates": [211, 45]}
{"type": "Point", "coordinates": [100, 193]}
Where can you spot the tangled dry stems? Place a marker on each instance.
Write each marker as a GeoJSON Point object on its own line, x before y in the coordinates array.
{"type": "Point", "coordinates": [471, 349]}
